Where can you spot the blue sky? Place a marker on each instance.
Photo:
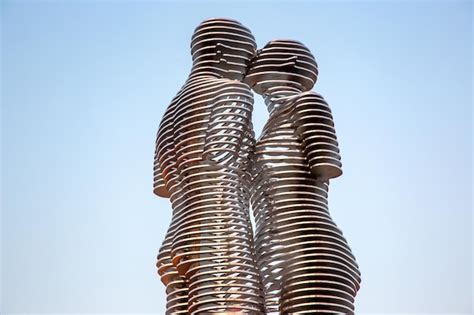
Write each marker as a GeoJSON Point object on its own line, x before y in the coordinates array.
{"type": "Point", "coordinates": [84, 86]}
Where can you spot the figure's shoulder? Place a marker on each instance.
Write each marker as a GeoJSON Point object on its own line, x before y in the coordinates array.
{"type": "Point", "coordinates": [310, 101]}
{"type": "Point", "coordinates": [309, 96]}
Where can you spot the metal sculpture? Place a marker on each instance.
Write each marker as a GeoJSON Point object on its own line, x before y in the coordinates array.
{"type": "Point", "coordinates": [306, 263]}
{"type": "Point", "coordinates": [207, 260]}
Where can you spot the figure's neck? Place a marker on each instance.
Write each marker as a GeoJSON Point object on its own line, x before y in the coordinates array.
{"type": "Point", "coordinates": [275, 97]}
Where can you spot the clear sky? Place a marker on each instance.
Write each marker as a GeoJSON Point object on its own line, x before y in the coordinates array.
{"type": "Point", "coordinates": [85, 84]}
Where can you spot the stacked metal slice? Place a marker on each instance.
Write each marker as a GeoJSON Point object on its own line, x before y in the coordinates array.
{"type": "Point", "coordinates": [306, 263]}
{"type": "Point", "coordinates": [207, 259]}
{"type": "Point", "coordinates": [315, 126]}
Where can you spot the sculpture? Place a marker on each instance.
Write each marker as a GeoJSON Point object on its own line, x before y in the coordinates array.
{"type": "Point", "coordinates": [208, 164]}
{"type": "Point", "coordinates": [207, 260]}
{"type": "Point", "coordinates": [305, 261]}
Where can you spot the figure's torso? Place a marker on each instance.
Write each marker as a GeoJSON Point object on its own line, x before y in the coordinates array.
{"type": "Point", "coordinates": [279, 148]}
{"type": "Point", "coordinates": [182, 133]}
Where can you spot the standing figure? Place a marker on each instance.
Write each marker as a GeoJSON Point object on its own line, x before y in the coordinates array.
{"type": "Point", "coordinates": [207, 260]}
{"type": "Point", "coordinates": [306, 263]}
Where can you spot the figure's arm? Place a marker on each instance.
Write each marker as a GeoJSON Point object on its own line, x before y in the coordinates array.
{"type": "Point", "coordinates": [163, 145]}
{"type": "Point", "coordinates": [229, 138]}
{"type": "Point", "coordinates": [313, 121]}
{"type": "Point", "coordinates": [159, 186]}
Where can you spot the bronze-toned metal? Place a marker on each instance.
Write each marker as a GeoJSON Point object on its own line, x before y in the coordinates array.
{"type": "Point", "coordinates": [209, 165]}
{"type": "Point", "coordinates": [207, 260]}
{"type": "Point", "coordinates": [306, 263]}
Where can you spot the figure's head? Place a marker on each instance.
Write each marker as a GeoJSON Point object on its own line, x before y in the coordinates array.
{"type": "Point", "coordinates": [222, 46]}
{"type": "Point", "coordinates": [282, 63]}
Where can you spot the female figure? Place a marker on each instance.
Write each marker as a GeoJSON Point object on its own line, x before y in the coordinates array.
{"type": "Point", "coordinates": [306, 263]}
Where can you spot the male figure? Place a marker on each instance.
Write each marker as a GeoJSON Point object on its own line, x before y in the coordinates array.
{"type": "Point", "coordinates": [207, 259]}
{"type": "Point", "coordinates": [306, 264]}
